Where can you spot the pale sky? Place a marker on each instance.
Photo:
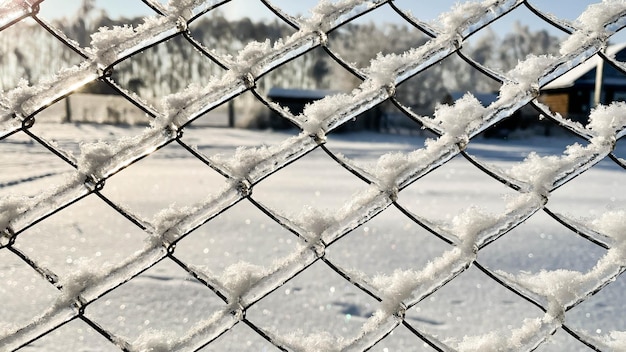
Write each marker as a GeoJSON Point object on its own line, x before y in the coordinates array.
{"type": "Point", "coordinates": [427, 10]}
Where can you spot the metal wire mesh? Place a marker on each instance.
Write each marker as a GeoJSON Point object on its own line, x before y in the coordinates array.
{"type": "Point", "coordinates": [20, 107]}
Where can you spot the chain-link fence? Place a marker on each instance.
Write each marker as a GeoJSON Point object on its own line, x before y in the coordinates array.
{"type": "Point", "coordinates": [243, 287]}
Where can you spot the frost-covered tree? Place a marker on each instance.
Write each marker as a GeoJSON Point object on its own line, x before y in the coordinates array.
{"type": "Point", "coordinates": [521, 42]}
{"type": "Point", "coordinates": [30, 53]}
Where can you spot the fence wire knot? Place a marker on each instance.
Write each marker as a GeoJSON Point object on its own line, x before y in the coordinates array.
{"type": "Point", "coordinates": [7, 237]}
{"type": "Point", "coordinates": [244, 188]}
{"type": "Point", "coordinates": [94, 183]}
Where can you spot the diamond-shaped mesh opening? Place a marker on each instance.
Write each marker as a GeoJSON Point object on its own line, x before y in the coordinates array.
{"type": "Point", "coordinates": [338, 308]}
{"type": "Point", "coordinates": [331, 186]}
{"type": "Point", "coordinates": [444, 83]}
{"type": "Point", "coordinates": [517, 34]}
{"type": "Point", "coordinates": [166, 68]}
{"type": "Point", "coordinates": [608, 194]}
{"type": "Point", "coordinates": [451, 190]}
{"type": "Point", "coordinates": [35, 63]}
{"type": "Point", "coordinates": [28, 167]}
{"type": "Point", "coordinates": [149, 187]}
{"type": "Point", "coordinates": [528, 247]}
{"type": "Point", "coordinates": [229, 29]}
{"type": "Point", "coordinates": [95, 103]}
{"type": "Point", "coordinates": [451, 312]}
{"type": "Point", "coordinates": [506, 144]}
{"type": "Point", "coordinates": [236, 235]}
{"type": "Point", "coordinates": [365, 148]}
{"type": "Point", "coordinates": [569, 14]}
{"type": "Point", "coordinates": [25, 293]}
{"type": "Point", "coordinates": [220, 145]}
{"type": "Point", "coordinates": [393, 243]}
{"type": "Point", "coordinates": [601, 314]}
{"type": "Point", "coordinates": [168, 305]}
{"type": "Point", "coordinates": [354, 44]}
{"type": "Point", "coordinates": [79, 236]}
{"type": "Point", "coordinates": [314, 73]}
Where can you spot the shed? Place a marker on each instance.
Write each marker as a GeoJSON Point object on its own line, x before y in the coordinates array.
{"type": "Point", "coordinates": [296, 99]}
{"type": "Point", "coordinates": [575, 93]}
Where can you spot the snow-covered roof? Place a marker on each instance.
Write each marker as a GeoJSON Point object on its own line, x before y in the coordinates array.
{"type": "Point", "coordinates": [568, 79]}
{"type": "Point", "coordinates": [313, 94]}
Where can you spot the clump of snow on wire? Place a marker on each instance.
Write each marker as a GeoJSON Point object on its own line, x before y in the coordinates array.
{"type": "Point", "coordinates": [183, 8]}
{"type": "Point", "coordinates": [525, 337]}
{"type": "Point", "coordinates": [93, 156]}
{"type": "Point", "coordinates": [11, 5]}
{"type": "Point", "coordinates": [597, 15]}
{"type": "Point", "coordinates": [172, 222]}
{"type": "Point", "coordinates": [606, 124]}
{"type": "Point", "coordinates": [616, 340]}
{"type": "Point", "coordinates": [563, 288]}
{"type": "Point", "coordinates": [244, 160]}
{"type": "Point", "coordinates": [249, 159]}
{"type": "Point", "coordinates": [17, 96]}
{"type": "Point", "coordinates": [560, 286]}
{"type": "Point", "coordinates": [462, 12]}
{"type": "Point", "coordinates": [327, 13]}
{"type": "Point", "coordinates": [361, 200]}
{"type": "Point", "coordinates": [540, 172]}
{"type": "Point", "coordinates": [108, 43]}
{"type": "Point", "coordinates": [524, 78]}
{"type": "Point", "coordinates": [612, 224]}
{"type": "Point", "coordinates": [315, 342]}
{"type": "Point", "coordinates": [240, 277]}
{"type": "Point", "coordinates": [174, 104]}
{"type": "Point", "coordinates": [401, 284]}
{"type": "Point", "coordinates": [154, 341]}
{"type": "Point", "coordinates": [243, 280]}
{"type": "Point", "coordinates": [314, 222]}
{"type": "Point", "coordinates": [10, 207]}
{"type": "Point", "coordinates": [315, 113]}
{"type": "Point", "coordinates": [459, 119]}
{"type": "Point", "coordinates": [469, 224]}
{"type": "Point", "coordinates": [253, 52]}
{"type": "Point", "coordinates": [592, 24]}
{"type": "Point", "coordinates": [395, 168]}
{"type": "Point", "coordinates": [167, 223]}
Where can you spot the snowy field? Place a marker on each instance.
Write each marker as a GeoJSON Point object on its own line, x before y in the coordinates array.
{"type": "Point", "coordinates": [165, 300]}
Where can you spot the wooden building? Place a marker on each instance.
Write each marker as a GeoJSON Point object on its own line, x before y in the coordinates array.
{"type": "Point", "coordinates": [575, 93]}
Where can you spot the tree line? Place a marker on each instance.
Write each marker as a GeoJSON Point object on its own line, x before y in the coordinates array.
{"type": "Point", "coordinates": [30, 53]}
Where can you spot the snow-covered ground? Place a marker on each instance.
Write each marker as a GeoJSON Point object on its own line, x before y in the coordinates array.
{"type": "Point", "coordinates": [166, 300]}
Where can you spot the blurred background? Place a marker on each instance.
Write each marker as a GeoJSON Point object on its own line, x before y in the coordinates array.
{"type": "Point", "coordinates": [29, 54]}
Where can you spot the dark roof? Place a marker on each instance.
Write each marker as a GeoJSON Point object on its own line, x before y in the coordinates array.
{"type": "Point", "coordinates": [484, 98]}
{"type": "Point", "coordinates": [289, 93]}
